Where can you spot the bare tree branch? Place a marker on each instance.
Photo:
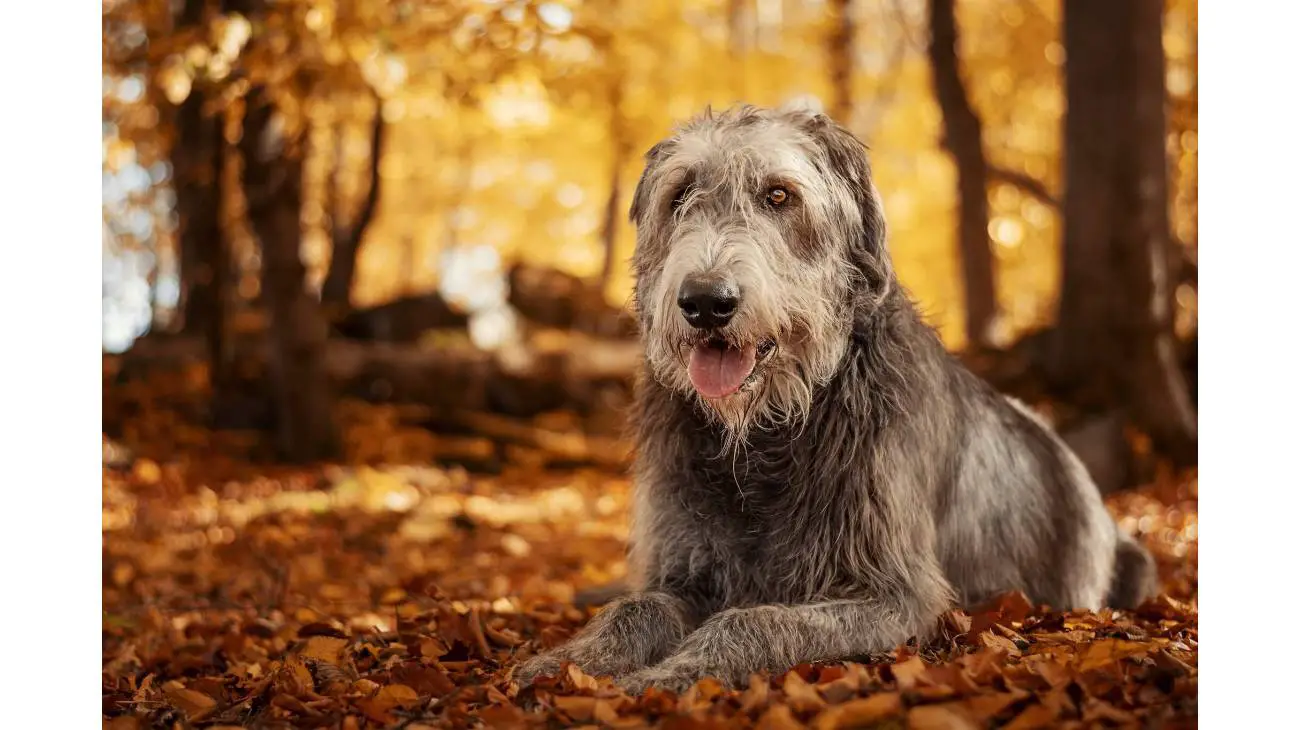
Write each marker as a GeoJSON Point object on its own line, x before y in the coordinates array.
{"type": "Point", "coordinates": [337, 287]}
{"type": "Point", "coordinates": [1028, 184]}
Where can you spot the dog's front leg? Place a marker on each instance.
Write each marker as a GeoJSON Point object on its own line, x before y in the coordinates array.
{"type": "Point", "coordinates": [737, 642]}
{"type": "Point", "coordinates": [630, 633]}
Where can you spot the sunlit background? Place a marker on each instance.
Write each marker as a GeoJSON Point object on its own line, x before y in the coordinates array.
{"type": "Point", "coordinates": [510, 123]}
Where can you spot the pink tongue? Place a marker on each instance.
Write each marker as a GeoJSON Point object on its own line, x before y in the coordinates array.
{"type": "Point", "coordinates": [717, 373]}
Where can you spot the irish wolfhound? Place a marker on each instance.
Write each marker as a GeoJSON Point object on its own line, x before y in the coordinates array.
{"type": "Point", "coordinates": [816, 477]}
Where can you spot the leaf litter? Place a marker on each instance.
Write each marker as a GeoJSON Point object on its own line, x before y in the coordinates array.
{"type": "Point", "coordinates": [243, 595]}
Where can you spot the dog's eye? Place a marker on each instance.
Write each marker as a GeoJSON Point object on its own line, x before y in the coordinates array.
{"type": "Point", "coordinates": [777, 196]}
{"type": "Point", "coordinates": [680, 198]}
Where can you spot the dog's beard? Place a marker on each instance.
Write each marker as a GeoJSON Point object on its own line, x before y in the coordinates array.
{"type": "Point", "coordinates": [742, 383]}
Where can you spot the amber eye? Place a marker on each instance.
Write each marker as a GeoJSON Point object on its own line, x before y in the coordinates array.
{"type": "Point", "coordinates": [777, 196]}
{"type": "Point", "coordinates": [680, 198]}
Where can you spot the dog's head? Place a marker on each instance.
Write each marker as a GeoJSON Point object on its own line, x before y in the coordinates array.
{"type": "Point", "coordinates": [759, 237]}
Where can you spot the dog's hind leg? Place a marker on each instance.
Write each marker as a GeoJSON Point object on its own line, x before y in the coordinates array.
{"type": "Point", "coordinates": [631, 633]}
{"type": "Point", "coordinates": [1133, 579]}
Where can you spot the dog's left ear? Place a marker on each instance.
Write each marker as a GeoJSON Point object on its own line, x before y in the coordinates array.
{"type": "Point", "coordinates": [641, 196]}
{"type": "Point", "coordinates": [846, 156]}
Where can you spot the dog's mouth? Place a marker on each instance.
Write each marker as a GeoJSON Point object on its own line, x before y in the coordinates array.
{"type": "Point", "coordinates": [719, 368]}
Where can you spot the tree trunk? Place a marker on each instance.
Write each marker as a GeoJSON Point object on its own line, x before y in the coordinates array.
{"type": "Point", "coordinates": [963, 138]}
{"type": "Point", "coordinates": [840, 48]}
{"type": "Point", "coordinates": [336, 291]}
{"type": "Point", "coordinates": [196, 162]}
{"type": "Point", "coordinates": [613, 208]}
{"type": "Point", "coordinates": [609, 228]}
{"type": "Point", "coordinates": [297, 332]}
{"type": "Point", "coordinates": [1115, 325]}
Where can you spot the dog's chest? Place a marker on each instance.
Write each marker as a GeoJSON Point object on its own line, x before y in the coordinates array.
{"type": "Point", "coordinates": [754, 529]}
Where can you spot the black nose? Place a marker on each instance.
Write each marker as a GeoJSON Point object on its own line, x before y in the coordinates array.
{"type": "Point", "coordinates": [707, 303]}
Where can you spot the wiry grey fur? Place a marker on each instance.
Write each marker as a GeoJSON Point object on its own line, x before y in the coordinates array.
{"type": "Point", "coordinates": [863, 481]}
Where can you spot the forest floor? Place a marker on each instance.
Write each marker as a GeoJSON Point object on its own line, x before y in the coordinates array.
{"type": "Point", "coordinates": [242, 594]}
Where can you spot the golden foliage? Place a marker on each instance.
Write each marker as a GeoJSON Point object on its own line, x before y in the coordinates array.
{"type": "Point", "coordinates": [508, 121]}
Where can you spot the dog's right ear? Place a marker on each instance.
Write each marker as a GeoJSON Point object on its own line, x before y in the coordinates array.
{"type": "Point", "coordinates": [847, 157]}
{"type": "Point", "coordinates": [641, 196]}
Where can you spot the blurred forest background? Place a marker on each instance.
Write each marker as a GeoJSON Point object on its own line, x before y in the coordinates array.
{"type": "Point", "coordinates": [367, 359]}
{"type": "Point", "coordinates": [313, 203]}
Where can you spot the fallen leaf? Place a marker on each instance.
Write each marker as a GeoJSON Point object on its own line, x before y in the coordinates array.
{"type": "Point", "coordinates": [580, 709]}
{"type": "Point", "coordinates": [1105, 652]}
{"type": "Point", "coordinates": [756, 695]}
{"type": "Point", "coordinates": [987, 706]}
{"type": "Point", "coordinates": [580, 679]}
{"type": "Point", "coordinates": [1034, 716]}
{"type": "Point", "coordinates": [427, 681]}
{"type": "Point", "coordinates": [502, 716]}
{"type": "Point", "coordinates": [860, 712]}
{"type": "Point", "coordinates": [700, 695]}
{"type": "Point", "coordinates": [907, 672]}
{"type": "Point", "coordinates": [840, 689]}
{"type": "Point", "coordinates": [949, 716]}
{"type": "Point", "coordinates": [324, 648]}
{"type": "Point", "coordinates": [801, 696]}
{"type": "Point", "coordinates": [194, 704]}
{"type": "Point", "coordinates": [433, 647]}
{"type": "Point", "coordinates": [778, 717]}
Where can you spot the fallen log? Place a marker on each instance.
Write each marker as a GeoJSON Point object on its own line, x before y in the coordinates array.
{"type": "Point", "coordinates": [402, 320]}
{"type": "Point", "coordinates": [591, 376]}
{"type": "Point", "coordinates": [553, 298]}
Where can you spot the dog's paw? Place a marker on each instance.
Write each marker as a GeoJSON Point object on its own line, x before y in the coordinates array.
{"type": "Point", "coordinates": [675, 678]}
{"type": "Point", "coordinates": [546, 664]}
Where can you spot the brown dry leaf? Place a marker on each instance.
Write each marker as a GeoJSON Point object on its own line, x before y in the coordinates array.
{"type": "Point", "coordinates": [1050, 670]}
{"type": "Point", "coordinates": [860, 712]}
{"type": "Point", "coordinates": [379, 708]}
{"type": "Point", "coordinates": [956, 622]}
{"type": "Point", "coordinates": [1034, 716]}
{"type": "Point", "coordinates": [294, 705]}
{"type": "Point", "coordinates": [324, 648]}
{"type": "Point", "coordinates": [756, 695]}
{"type": "Point", "coordinates": [1014, 606]}
{"type": "Point", "coordinates": [952, 675]}
{"type": "Point", "coordinates": [984, 665]}
{"type": "Point", "coordinates": [699, 695]}
{"type": "Point", "coordinates": [502, 716]}
{"type": "Point", "coordinates": [194, 704]}
{"type": "Point", "coordinates": [579, 709]}
{"type": "Point", "coordinates": [399, 695]}
{"type": "Point", "coordinates": [800, 695]}
{"type": "Point", "coordinates": [124, 722]}
{"type": "Point", "coordinates": [1064, 637]}
{"type": "Point", "coordinates": [1098, 711]}
{"type": "Point", "coordinates": [425, 680]}
{"type": "Point", "coordinates": [988, 705]}
{"type": "Point", "coordinates": [605, 712]}
{"type": "Point", "coordinates": [778, 717]}
{"type": "Point", "coordinates": [948, 716]}
{"type": "Point", "coordinates": [1109, 651]}
{"type": "Point", "coordinates": [294, 678]}
{"type": "Point", "coordinates": [432, 647]}
{"type": "Point", "coordinates": [990, 640]}
{"type": "Point", "coordinates": [580, 679]}
{"type": "Point", "coordinates": [908, 672]}
{"type": "Point", "coordinates": [840, 689]}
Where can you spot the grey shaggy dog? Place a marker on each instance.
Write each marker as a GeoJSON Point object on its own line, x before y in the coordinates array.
{"type": "Point", "coordinates": [816, 477]}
